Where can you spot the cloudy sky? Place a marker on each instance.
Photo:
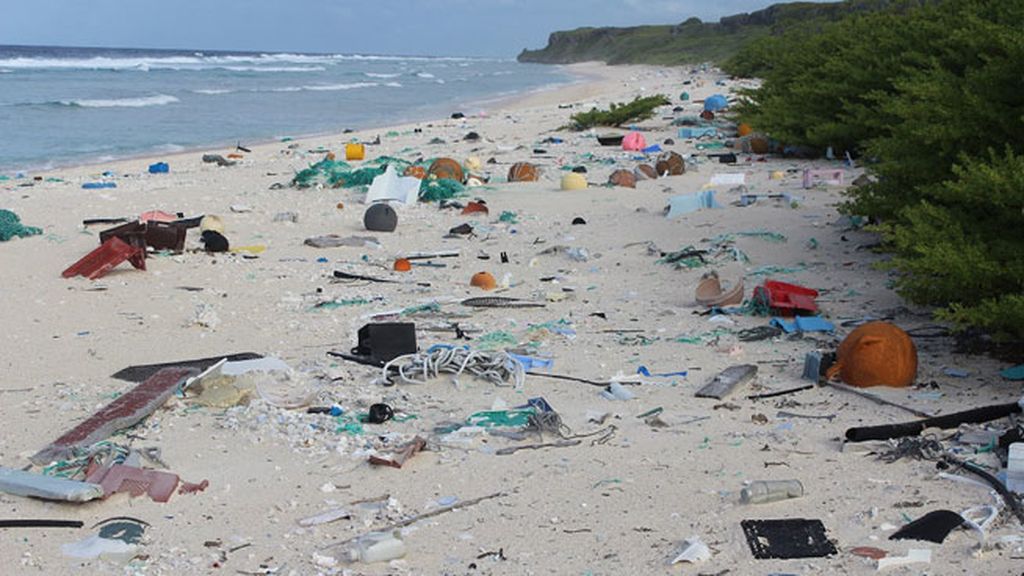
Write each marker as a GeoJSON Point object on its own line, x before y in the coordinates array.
{"type": "Point", "coordinates": [493, 28]}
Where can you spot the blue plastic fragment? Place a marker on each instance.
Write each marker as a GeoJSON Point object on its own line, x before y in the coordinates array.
{"type": "Point", "coordinates": [539, 403]}
{"type": "Point", "coordinates": [804, 324]}
{"type": "Point", "coordinates": [1013, 373]}
{"type": "Point", "coordinates": [531, 362]}
{"type": "Point", "coordinates": [643, 371]}
{"type": "Point", "coordinates": [159, 168]}
{"type": "Point", "coordinates": [98, 185]}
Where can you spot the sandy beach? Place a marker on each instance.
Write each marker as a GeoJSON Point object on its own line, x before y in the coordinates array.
{"type": "Point", "coordinates": [651, 472]}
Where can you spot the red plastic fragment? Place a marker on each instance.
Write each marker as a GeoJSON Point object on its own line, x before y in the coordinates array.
{"type": "Point", "coordinates": [869, 552]}
{"type": "Point", "coordinates": [408, 451]}
{"type": "Point", "coordinates": [787, 299]}
{"type": "Point", "coordinates": [191, 488]}
{"type": "Point", "coordinates": [108, 256]}
{"type": "Point", "coordinates": [136, 481]}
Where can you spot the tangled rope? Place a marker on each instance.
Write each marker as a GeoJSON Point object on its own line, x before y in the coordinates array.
{"type": "Point", "coordinates": [496, 367]}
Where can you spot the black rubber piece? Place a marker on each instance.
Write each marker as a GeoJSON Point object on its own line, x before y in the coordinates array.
{"type": "Point", "coordinates": [975, 416]}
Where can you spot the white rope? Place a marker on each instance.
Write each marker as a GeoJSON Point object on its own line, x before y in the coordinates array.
{"type": "Point", "coordinates": [496, 367]}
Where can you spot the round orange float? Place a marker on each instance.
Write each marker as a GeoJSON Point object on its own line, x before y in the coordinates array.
{"type": "Point", "coordinates": [670, 164]}
{"type": "Point", "coordinates": [744, 129]}
{"type": "Point", "coordinates": [446, 168]}
{"type": "Point", "coordinates": [483, 281]}
{"type": "Point", "coordinates": [623, 178]}
{"type": "Point", "coordinates": [402, 265]}
{"type": "Point", "coordinates": [522, 172]}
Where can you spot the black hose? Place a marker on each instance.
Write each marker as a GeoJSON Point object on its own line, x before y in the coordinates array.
{"type": "Point", "coordinates": [975, 416]}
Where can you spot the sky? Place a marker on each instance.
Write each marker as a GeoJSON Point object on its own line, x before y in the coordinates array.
{"type": "Point", "coordinates": [485, 28]}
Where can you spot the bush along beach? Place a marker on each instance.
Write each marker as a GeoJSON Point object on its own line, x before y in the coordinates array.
{"type": "Point", "coordinates": [932, 101]}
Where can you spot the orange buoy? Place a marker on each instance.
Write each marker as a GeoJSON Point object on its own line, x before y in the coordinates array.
{"type": "Point", "coordinates": [483, 281]}
{"type": "Point", "coordinates": [522, 172]}
{"type": "Point", "coordinates": [624, 178]}
{"type": "Point", "coordinates": [744, 129]}
{"type": "Point", "coordinates": [670, 164]}
{"type": "Point", "coordinates": [760, 145]}
{"type": "Point", "coordinates": [330, 156]}
{"type": "Point", "coordinates": [446, 168]}
{"type": "Point", "coordinates": [876, 354]}
{"type": "Point", "coordinates": [402, 265]}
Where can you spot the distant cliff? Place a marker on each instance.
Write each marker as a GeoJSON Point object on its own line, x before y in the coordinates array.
{"type": "Point", "coordinates": [694, 41]}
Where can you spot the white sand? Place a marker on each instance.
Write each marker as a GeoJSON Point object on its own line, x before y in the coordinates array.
{"type": "Point", "coordinates": [624, 506]}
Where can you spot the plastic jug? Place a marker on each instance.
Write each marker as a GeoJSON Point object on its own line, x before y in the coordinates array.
{"type": "Point", "coordinates": [771, 491]}
{"type": "Point", "coordinates": [377, 547]}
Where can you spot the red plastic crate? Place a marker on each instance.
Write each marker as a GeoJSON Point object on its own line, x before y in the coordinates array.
{"type": "Point", "coordinates": [108, 256]}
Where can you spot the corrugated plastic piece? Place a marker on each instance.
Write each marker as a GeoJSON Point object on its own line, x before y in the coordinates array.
{"type": "Point", "coordinates": [109, 255]}
{"type": "Point", "coordinates": [123, 412]}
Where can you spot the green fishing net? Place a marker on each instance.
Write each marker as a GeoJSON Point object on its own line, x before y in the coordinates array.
{"type": "Point", "coordinates": [443, 189]}
{"type": "Point", "coordinates": [11, 226]}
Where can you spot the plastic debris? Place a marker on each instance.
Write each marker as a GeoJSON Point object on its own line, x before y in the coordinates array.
{"type": "Point", "coordinates": [21, 483]}
{"type": "Point", "coordinates": [914, 556]}
{"type": "Point", "coordinates": [694, 551]}
{"type": "Point", "coordinates": [11, 226]}
{"type": "Point", "coordinates": [686, 203]}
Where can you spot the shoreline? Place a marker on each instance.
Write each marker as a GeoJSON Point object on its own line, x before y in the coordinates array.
{"type": "Point", "coordinates": [496, 102]}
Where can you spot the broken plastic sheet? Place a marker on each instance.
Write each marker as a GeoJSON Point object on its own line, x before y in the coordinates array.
{"type": "Point", "coordinates": [803, 324]}
{"type": "Point", "coordinates": [728, 179]}
{"type": "Point", "coordinates": [391, 186]}
{"type": "Point", "coordinates": [698, 132]}
{"type": "Point", "coordinates": [21, 483]}
{"type": "Point", "coordinates": [687, 203]}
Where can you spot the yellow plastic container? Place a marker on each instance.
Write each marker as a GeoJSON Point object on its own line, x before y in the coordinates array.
{"type": "Point", "coordinates": [355, 151]}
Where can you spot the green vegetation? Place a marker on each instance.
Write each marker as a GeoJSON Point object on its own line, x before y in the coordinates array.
{"type": "Point", "coordinates": [693, 41]}
{"type": "Point", "coordinates": [619, 113]}
{"type": "Point", "coordinates": [933, 98]}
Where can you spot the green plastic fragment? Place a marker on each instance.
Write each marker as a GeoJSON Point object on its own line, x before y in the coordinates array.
{"type": "Point", "coordinates": [500, 418]}
{"type": "Point", "coordinates": [508, 217]}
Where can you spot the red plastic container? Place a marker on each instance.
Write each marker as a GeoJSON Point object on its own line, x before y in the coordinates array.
{"type": "Point", "coordinates": [787, 299]}
{"type": "Point", "coordinates": [108, 256]}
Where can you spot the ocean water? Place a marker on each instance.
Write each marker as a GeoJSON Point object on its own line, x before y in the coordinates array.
{"type": "Point", "coordinates": [62, 106]}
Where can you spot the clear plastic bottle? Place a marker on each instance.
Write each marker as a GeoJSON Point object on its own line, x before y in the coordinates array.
{"type": "Point", "coordinates": [771, 491]}
{"type": "Point", "coordinates": [377, 547]}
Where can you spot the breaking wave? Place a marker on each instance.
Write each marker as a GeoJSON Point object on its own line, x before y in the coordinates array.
{"type": "Point", "coordinates": [157, 100]}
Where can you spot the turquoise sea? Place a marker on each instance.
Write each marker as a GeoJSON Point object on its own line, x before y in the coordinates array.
{"type": "Point", "coordinates": [61, 106]}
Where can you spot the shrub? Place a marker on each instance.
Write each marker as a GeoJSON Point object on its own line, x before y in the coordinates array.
{"type": "Point", "coordinates": [619, 114]}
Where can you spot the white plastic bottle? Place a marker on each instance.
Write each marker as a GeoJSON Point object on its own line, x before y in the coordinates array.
{"type": "Point", "coordinates": [771, 491]}
{"type": "Point", "coordinates": [377, 547]}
